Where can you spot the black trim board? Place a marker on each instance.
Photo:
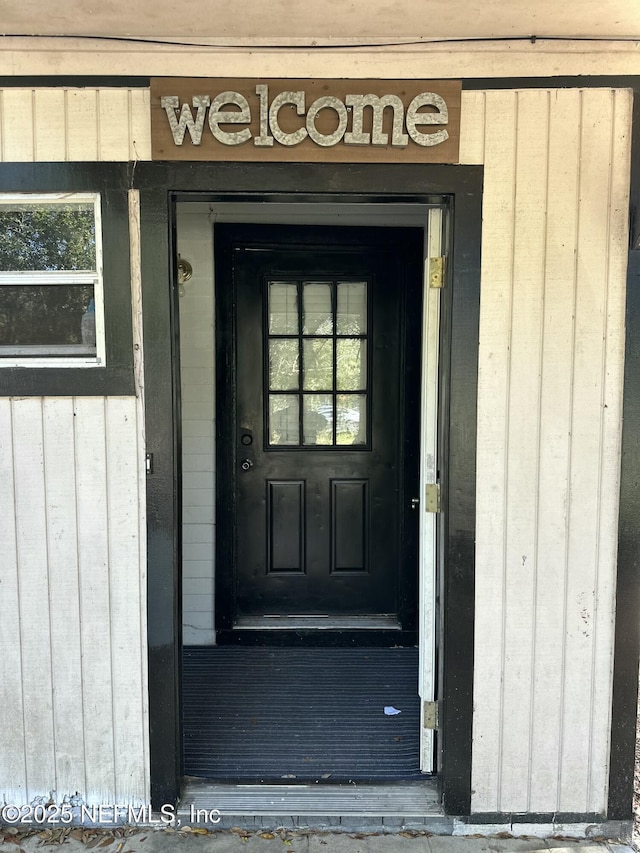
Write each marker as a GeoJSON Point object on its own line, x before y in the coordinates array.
{"type": "Point", "coordinates": [609, 81]}
{"type": "Point", "coordinates": [112, 182]}
{"type": "Point", "coordinates": [379, 183]}
{"type": "Point", "coordinates": [457, 464]}
{"type": "Point", "coordinates": [485, 818]}
{"type": "Point", "coordinates": [73, 82]}
{"type": "Point", "coordinates": [630, 81]}
{"type": "Point", "coordinates": [164, 597]}
{"type": "Point", "coordinates": [627, 625]}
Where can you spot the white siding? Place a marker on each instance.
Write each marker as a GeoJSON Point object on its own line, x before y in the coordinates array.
{"type": "Point", "coordinates": [73, 683]}
{"type": "Point", "coordinates": [195, 244]}
{"type": "Point", "coordinates": [74, 124]}
{"type": "Point", "coordinates": [72, 672]}
{"type": "Point", "coordinates": [549, 420]}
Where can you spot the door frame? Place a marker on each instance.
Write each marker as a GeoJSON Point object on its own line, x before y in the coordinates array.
{"type": "Point", "coordinates": [268, 235]}
{"type": "Point", "coordinates": [161, 185]}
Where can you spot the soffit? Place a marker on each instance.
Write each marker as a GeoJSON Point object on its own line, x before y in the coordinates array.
{"type": "Point", "coordinates": [304, 22]}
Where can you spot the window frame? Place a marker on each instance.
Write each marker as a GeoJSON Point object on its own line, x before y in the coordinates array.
{"type": "Point", "coordinates": [115, 376]}
{"type": "Point", "coordinates": [55, 355]}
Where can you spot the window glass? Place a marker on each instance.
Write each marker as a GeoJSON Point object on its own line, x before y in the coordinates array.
{"type": "Point", "coordinates": [321, 365]}
{"type": "Point", "coordinates": [38, 236]}
{"type": "Point", "coordinates": [51, 309]}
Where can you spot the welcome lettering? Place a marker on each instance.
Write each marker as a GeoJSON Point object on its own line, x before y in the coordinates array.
{"type": "Point", "coordinates": [347, 118]}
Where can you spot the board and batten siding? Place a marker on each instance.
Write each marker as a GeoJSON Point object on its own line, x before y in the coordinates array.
{"type": "Point", "coordinates": [70, 124]}
{"type": "Point", "coordinates": [73, 685]}
{"type": "Point", "coordinates": [554, 249]}
{"type": "Point", "coordinates": [549, 419]}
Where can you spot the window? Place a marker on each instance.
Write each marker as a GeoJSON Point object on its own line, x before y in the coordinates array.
{"type": "Point", "coordinates": [51, 300]}
{"type": "Point", "coordinates": [317, 363]}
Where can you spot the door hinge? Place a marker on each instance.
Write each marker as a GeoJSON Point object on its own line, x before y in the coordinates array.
{"type": "Point", "coordinates": [432, 497]}
{"type": "Point", "coordinates": [436, 271]}
{"type": "Point", "coordinates": [431, 715]}
{"type": "Point", "coordinates": [148, 463]}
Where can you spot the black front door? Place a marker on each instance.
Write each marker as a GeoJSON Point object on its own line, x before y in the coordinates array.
{"type": "Point", "coordinates": [319, 332]}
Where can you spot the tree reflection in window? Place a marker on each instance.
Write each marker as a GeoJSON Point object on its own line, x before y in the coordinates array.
{"type": "Point", "coordinates": [48, 273]}
{"type": "Point", "coordinates": [316, 350]}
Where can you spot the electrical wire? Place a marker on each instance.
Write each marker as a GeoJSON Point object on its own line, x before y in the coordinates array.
{"type": "Point", "coordinates": [422, 42]}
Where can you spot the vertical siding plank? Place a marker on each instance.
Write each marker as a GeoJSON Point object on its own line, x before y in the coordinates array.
{"type": "Point", "coordinates": [49, 125]}
{"type": "Point", "coordinates": [31, 523]}
{"type": "Point", "coordinates": [122, 484]}
{"type": "Point", "coordinates": [114, 124]}
{"type": "Point", "coordinates": [140, 124]}
{"type": "Point", "coordinates": [523, 444]}
{"type": "Point", "coordinates": [62, 545]}
{"type": "Point", "coordinates": [472, 123]}
{"type": "Point", "coordinates": [555, 451]}
{"type": "Point", "coordinates": [493, 401]}
{"type": "Point", "coordinates": [93, 548]}
{"type": "Point", "coordinates": [586, 439]}
{"type": "Point", "coordinates": [138, 361]}
{"type": "Point", "coordinates": [82, 124]}
{"type": "Point", "coordinates": [17, 125]}
{"type": "Point", "coordinates": [13, 787]}
{"type": "Point", "coordinates": [610, 449]}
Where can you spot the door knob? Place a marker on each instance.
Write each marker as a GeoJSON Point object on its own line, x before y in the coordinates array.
{"type": "Point", "coordinates": [246, 464]}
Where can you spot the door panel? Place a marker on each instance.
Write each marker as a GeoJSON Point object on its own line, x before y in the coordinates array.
{"type": "Point", "coordinates": [323, 432]}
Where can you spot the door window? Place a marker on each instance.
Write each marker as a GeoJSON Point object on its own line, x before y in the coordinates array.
{"type": "Point", "coordinates": [317, 357]}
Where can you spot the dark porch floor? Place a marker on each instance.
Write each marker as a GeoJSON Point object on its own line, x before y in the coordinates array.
{"type": "Point", "coordinates": [305, 714]}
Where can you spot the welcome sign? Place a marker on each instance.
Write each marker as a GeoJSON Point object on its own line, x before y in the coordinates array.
{"type": "Point", "coordinates": [340, 121]}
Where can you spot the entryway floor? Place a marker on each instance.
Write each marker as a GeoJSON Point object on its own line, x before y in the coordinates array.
{"type": "Point", "coordinates": [284, 715]}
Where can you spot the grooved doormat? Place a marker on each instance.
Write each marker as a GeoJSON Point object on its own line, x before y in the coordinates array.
{"type": "Point", "coordinates": [301, 715]}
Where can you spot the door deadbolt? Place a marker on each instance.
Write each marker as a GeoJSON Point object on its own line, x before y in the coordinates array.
{"type": "Point", "coordinates": [246, 464]}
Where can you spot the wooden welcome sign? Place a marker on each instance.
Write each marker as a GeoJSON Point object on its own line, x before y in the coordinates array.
{"type": "Point", "coordinates": [339, 121]}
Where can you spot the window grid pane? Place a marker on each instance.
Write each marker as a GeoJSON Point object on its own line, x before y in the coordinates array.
{"type": "Point", "coordinates": [322, 363]}
{"type": "Point", "coordinates": [284, 419]}
{"type": "Point", "coordinates": [283, 364]}
{"type": "Point", "coordinates": [283, 308]}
